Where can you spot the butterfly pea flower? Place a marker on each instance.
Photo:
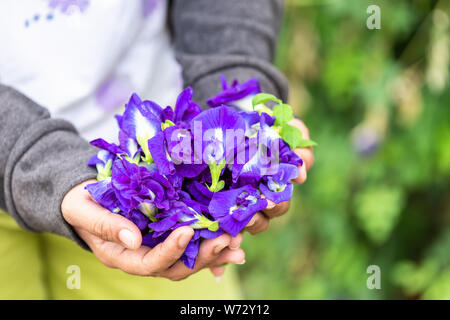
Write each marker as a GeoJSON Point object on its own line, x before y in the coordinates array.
{"type": "Point", "coordinates": [140, 122]}
{"type": "Point", "coordinates": [190, 254]}
{"type": "Point", "coordinates": [103, 193]}
{"type": "Point", "coordinates": [260, 155]}
{"type": "Point", "coordinates": [180, 148]}
{"type": "Point", "coordinates": [181, 213]}
{"type": "Point", "coordinates": [138, 218]}
{"type": "Point", "coordinates": [288, 156]}
{"type": "Point", "coordinates": [237, 95]}
{"type": "Point", "coordinates": [234, 208]}
{"type": "Point", "coordinates": [185, 108]}
{"type": "Point", "coordinates": [102, 161]}
{"type": "Point", "coordinates": [278, 187]}
{"type": "Point", "coordinates": [199, 191]}
{"type": "Point", "coordinates": [157, 147]}
{"type": "Point", "coordinates": [136, 184]}
{"type": "Point", "coordinates": [211, 170]}
{"type": "Point", "coordinates": [223, 135]}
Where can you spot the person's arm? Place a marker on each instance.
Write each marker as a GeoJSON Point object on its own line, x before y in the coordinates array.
{"type": "Point", "coordinates": [41, 159]}
{"type": "Point", "coordinates": [235, 38]}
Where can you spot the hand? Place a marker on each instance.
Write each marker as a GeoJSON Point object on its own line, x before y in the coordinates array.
{"type": "Point", "coordinates": [260, 221]}
{"type": "Point", "coordinates": [116, 241]}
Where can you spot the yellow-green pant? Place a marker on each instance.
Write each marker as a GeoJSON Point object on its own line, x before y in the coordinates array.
{"type": "Point", "coordinates": [43, 266]}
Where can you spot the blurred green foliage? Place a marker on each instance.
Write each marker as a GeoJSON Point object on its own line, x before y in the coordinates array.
{"type": "Point", "coordinates": [377, 102]}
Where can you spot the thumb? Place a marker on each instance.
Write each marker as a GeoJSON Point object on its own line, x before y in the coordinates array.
{"type": "Point", "coordinates": [93, 218]}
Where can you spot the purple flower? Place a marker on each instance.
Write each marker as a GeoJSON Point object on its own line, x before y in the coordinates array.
{"type": "Point", "coordinates": [158, 149]}
{"type": "Point", "coordinates": [234, 208]}
{"type": "Point", "coordinates": [104, 194]}
{"type": "Point", "coordinates": [260, 155]}
{"type": "Point", "coordinates": [278, 187]}
{"type": "Point", "coordinates": [138, 218]}
{"type": "Point", "coordinates": [223, 132]}
{"type": "Point", "coordinates": [140, 122]}
{"type": "Point", "coordinates": [288, 156]}
{"type": "Point", "coordinates": [199, 192]}
{"type": "Point", "coordinates": [208, 170]}
{"type": "Point", "coordinates": [237, 95]}
{"type": "Point", "coordinates": [136, 184]}
{"type": "Point", "coordinates": [103, 161]}
{"type": "Point", "coordinates": [185, 108]}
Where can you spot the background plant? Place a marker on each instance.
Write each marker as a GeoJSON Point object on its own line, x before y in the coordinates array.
{"type": "Point", "coordinates": [377, 102]}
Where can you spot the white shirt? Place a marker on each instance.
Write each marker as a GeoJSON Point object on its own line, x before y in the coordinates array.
{"type": "Point", "coordinates": [82, 59]}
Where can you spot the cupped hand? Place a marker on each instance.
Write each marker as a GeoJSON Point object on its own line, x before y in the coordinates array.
{"type": "Point", "coordinates": [116, 241]}
{"type": "Point", "coordinates": [260, 221]}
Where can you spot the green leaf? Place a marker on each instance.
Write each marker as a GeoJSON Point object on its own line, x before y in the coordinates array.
{"type": "Point", "coordinates": [283, 113]}
{"type": "Point", "coordinates": [305, 143]}
{"type": "Point", "coordinates": [291, 135]}
{"type": "Point", "coordinates": [294, 137]}
{"type": "Point", "coordinates": [262, 98]}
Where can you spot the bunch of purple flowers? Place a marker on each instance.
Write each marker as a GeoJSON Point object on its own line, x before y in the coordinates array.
{"type": "Point", "coordinates": [209, 169]}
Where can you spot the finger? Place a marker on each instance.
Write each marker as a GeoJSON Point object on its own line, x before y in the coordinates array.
{"type": "Point", "coordinates": [168, 252]}
{"type": "Point", "coordinates": [299, 124]}
{"type": "Point", "coordinates": [276, 210]}
{"type": "Point", "coordinates": [211, 248]}
{"type": "Point", "coordinates": [208, 251]}
{"type": "Point", "coordinates": [217, 272]}
{"type": "Point", "coordinates": [258, 223]}
{"type": "Point", "coordinates": [235, 242]}
{"type": "Point", "coordinates": [227, 256]}
{"type": "Point", "coordinates": [144, 261]}
{"type": "Point", "coordinates": [302, 175]}
{"type": "Point", "coordinates": [307, 156]}
{"type": "Point", "coordinates": [90, 216]}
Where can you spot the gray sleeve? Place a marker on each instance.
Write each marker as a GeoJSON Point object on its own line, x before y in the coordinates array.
{"type": "Point", "coordinates": [40, 160]}
{"type": "Point", "coordinates": [236, 38]}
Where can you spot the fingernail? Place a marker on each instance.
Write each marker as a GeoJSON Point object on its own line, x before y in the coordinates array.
{"type": "Point", "coordinates": [219, 248]}
{"type": "Point", "coordinates": [251, 222]}
{"type": "Point", "coordinates": [127, 238]}
{"type": "Point", "coordinates": [243, 261]}
{"type": "Point", "coordinates": [183, 240]}
{"type": "Point", "coordinates": [270, 204]}
{"type": "Point", "coordinates": [218, 279]}
{"type": "Point", "coordinates": [235, 248]}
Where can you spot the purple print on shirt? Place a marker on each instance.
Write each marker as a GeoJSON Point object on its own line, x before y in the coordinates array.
{"type": "Point", "coordinates": [148, 6]}
{"type": "Point", "coordinates": [67, 6]}
{"type": "Point", "coordinates": [112, 93]}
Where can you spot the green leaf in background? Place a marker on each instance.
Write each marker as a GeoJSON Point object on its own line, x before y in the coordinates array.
{"type": "Point", "coordinates": [378, 208]}
{"type": "Point", "coordinates": [358, 209]}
